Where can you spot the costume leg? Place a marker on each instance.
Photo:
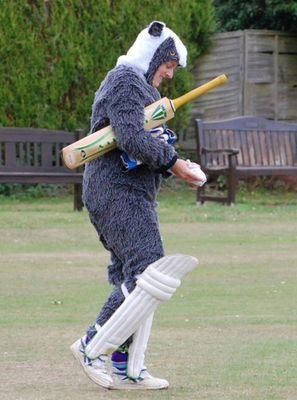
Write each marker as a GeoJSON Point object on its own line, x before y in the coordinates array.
{"type": "Point", "coordinates": [134, 240]}
{"type": "Point", "coordinates": [115, 299]}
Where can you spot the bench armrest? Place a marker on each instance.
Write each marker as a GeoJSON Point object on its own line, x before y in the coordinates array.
{"type": "Point", "coordinates": [220, 159]}
{"type": "Point", "coordinates": [205, 150]}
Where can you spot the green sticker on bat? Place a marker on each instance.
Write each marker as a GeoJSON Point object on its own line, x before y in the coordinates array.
{"type": "Point", "coordinates": [159, 113]}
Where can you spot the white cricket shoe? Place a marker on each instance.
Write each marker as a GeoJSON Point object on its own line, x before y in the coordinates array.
{"type": "Point", "coordinates": [95, 369]}
{"type": "Point", "coordinates": [144, 382]}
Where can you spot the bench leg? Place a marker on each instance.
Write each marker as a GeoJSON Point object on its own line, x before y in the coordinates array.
{"type": "Point", "coordinates": [200, 195]}
{"type": "Point", "coordinates": [232, 191]}
{"type": "Point", "coordinates": [231, 181]}
{"type": "Point", "coordinates": [77, 200]}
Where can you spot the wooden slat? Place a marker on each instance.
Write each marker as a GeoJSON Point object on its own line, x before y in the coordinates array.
{"type": "Point", "coordinates": [261, 67]}
{"type": "Point", "coordinates": [2, 153]}
{"type": "Point", "coordinates": [10, 154]}
{"type": "Point", "coordinates": [275, 149]}
{"type": "Point", "coordinates": [263, 147]}
{"type": "Point", "coordinates": [36, 152]}
{"type": "Point", "coordinates": [269, 149]}
{"type": "Point", "coordinates": [288, 149]}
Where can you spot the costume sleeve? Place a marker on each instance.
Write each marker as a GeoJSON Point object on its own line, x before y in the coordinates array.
{"type": "Point", "coordinates": [125, 108]}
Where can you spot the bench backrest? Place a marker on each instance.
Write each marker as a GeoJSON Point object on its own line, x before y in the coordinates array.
{"type": "Point", "coordinates": [34, 150]}
{"type": "Point", "coordinates": [260, 142]}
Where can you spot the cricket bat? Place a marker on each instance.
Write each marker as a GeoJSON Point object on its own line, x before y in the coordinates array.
{"type": "Point", "coordinates": [157, 113]}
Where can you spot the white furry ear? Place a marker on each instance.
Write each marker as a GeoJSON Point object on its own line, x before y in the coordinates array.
{"type": "Point", "coordinates": [155, 28]}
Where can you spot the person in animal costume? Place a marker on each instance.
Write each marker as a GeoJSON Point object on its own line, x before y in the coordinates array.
{"type": "Point", "coordinates": [121, 202]}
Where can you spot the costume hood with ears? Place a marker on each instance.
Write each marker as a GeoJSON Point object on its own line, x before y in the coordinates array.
{"type": "Point", "coordinates": [154, 46]}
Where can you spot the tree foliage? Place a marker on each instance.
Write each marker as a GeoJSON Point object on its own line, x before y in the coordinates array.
{"type": "Point", "coordinates": [54, 53]}
{"type": "Point", "coordinates": [256, 14]}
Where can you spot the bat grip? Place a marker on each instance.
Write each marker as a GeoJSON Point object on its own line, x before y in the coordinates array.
{"type": "Point", "coordinates": [193, 94]}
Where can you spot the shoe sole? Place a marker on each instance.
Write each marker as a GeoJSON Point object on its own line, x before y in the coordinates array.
{"type": "Point", "coordinates": [137, 386]}
{"type": "Point", "coordinates": [105, 382]}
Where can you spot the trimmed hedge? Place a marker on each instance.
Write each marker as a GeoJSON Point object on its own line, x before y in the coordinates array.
{"type": "Point", "coordinates": [235, 15]}
{"type": "Point", "coordinates": [54, 53]}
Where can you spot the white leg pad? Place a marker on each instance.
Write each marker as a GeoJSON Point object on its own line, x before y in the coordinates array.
{"type": "Point", "coordinates": [156, 284]}
{"type": "Point", "coordinates": [138, 347]}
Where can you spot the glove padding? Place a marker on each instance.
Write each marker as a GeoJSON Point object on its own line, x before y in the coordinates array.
{"type": "Point", "coordinates": [166, 135]}
{"type": "Point", "coordinates": [201, 177]}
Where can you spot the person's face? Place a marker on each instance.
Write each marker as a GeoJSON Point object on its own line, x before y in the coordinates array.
{"type": "Point", "coordinates": [165, 71]}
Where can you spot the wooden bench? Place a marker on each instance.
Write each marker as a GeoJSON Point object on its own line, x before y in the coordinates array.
{"type": "Point", "coordinates": [31, 155]}
{"type": "Point", "coordinates": [242, 147]}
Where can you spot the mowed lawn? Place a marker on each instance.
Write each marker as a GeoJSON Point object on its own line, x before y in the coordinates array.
{"type": "Point", "coordinates": [229, 332]}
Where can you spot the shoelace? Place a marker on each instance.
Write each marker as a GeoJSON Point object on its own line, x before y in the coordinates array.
{"type": "Point", "coordinates": [88, 361]}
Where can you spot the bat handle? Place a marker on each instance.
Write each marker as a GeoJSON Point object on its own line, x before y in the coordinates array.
{"type": "Point", "coordinates": [193, 94]}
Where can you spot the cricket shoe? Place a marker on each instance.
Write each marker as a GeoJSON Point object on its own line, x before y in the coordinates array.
{"type": "Point", "coordinates": [95, 369]}
{"type": "Point", "coordinates": [144, 382]}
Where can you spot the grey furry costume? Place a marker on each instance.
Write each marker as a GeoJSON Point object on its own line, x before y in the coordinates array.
{"type": "Point", "coordinates": [122, 205]}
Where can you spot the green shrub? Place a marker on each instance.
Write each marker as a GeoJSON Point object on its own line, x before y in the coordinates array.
{"type": "Point", "coordinates": [54, 53]}
{"type": "Point", "coordinates": [278, 15]}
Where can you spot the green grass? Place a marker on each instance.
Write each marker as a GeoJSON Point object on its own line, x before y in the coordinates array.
{"type": "Point", "coordinates": [228, 333]}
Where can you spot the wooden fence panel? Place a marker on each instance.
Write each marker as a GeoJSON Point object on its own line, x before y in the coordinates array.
{"type": "Point", "coordinates": [262, 69]}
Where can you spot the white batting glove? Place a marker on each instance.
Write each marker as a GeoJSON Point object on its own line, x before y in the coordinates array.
{"type": "Point", "coordinates": [195, 168]}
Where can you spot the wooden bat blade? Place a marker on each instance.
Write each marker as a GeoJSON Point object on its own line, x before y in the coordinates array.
{"type": "Point", "coordinates": [88, 148]}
